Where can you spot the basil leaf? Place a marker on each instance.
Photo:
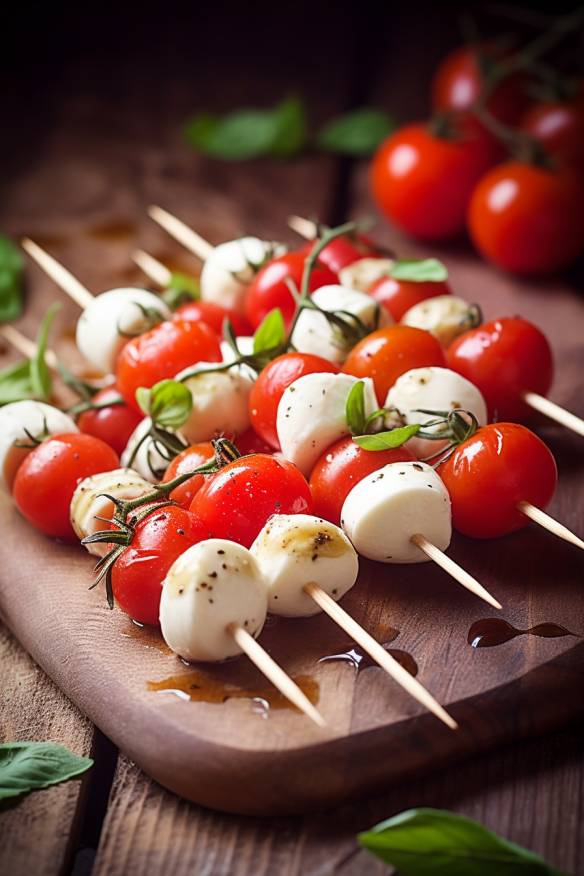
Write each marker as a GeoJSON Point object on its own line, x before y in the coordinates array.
{"type": "Point", "coordinates": [355, 408]}
{"type": "Point", "coordinates": [169, 403]}
{"type": "Point", "coordinates": [424, 842]}
{"type": "Point", "coordinates": [11, 271]}
{"type": "Point", "coordinates": [289, 119]}
{"type": "Point", "coordinates": [27, 766]}
{"type": "Point", "coordinates": [271, 332]}
{"type": "Point", "coordinates": [387, 440]}
{"type": "Point", "coordinates": [15, 383]}
{"type": "Point", "coordinates": [419, 270]}
{"type": "Point", "coordinates": [40, 374]}
{"type": "Point", "coordinates": [356, 133]}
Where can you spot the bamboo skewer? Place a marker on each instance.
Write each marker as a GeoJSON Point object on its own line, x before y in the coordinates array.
{"type": "Point", "coordinates": [304, 227]}
{"type": "Point", "coordinates": [60, 275]}
{"type": "Point", "coordinates": [181, 232]}
{"type": "Point", "coordinates": [554, 526]}
{"type": "Point", "coordinates": [25, 346]}
{"type": "Point", "coordinates": [554, 412]}
{"type": "Point", "coordinates": [457, 572]}
{"type": "Point", "coordinates": [154, 270]}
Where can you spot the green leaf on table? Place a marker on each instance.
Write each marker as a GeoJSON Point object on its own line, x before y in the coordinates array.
{"type": "Point", "coordinates": [355, 409]}
{"type": "Point", "coordinates": [169, 403]}
{"type": "Point", "coordinates": [425, 842]}
{"type": "Point", "coordinates": [180, 289]}
{"type": "Point", "coordinates": [11, 271]}
{"type": "Point", "coordinates": [356, 133]}
{"type": "Point", "coordinates": [387, 440]}
{"type": "Point", "coordinates": [271, 333]}
{"type": "Point", "coordinates": [419, 270]}
{"type": "Point", "coordinates": [28, 766]}
{"type": "Point", "coordinates": [289, 119]}
{"type": "Point", "coordinates": [40, 374]}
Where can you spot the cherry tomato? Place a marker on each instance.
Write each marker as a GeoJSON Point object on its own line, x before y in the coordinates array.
{"type": "Point", "coordinates": [424, 182]}
{"type": "Point", "coordinates": [559, 127]}
{"type": "Point", "coordinates": [397, 296]}
{"type": "Point", "coordinates": [214, 315]}
{"type": "Point", "coordinates": [269, 387]}
{"type": "Point", "coordinates": [138, 573]}
{"type": "Point", "coordinates": [269, 290]}
{"type": "Point", "coordinates": [504, 358]}
{"type": "Point", "coordinates": [113, 423]}
{"type": "Point", "coordinates": [236, 502]}
{"type": "Point", "coordinates": [388, 353]}
{"type": "Point", "coordinates": [250, 442]}
{"type": "Point", "coordinates": [188, 460]}
{"type": "Point", "coordinates": [46, 480]}
{"type": "Point", "coordinates": [491, 472]}
{"type": "Point", "coordinates": [342, 466]}
{"type": "Point", "coordinates": [162, 352]}
{"type": "Point", "coordinates": [344, 250]}
{"type": "Point", "coordinates": [527, 219]}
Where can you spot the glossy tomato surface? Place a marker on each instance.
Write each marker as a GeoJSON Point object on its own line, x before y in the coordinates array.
{"type": "Point", "coordinates": [236, 502]}
{"type": "Point", "coordinates": [344, 250]}
{"type": "Point", "coordinates": [250, 442]}
{"type": "Point", "coordinates": [490, 473]}
{"type": "Point", "coordinates": [214, 315]}
{"type": "Point", "coordinates": [559, 127]}
{"type": "Point", "coordinates": [188, 460]}
{"type": "Point", "coordinates": [113, 423]}
{"type": "Point", "coordinates": [397, 296]}
{"type": "Point", "coordinates": [504, 358]}
{"type": "Point", "coordinates": [46, 480]}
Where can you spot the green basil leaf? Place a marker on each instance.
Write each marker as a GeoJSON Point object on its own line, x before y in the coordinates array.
{"type": "Point", "coordinates": [40, 373]}
{"type": "Point", "coordinates": [271, 332]}
{"type": "Point", "coordinates": [11, 272]}
{"type": "Point", "coordinates": [143, 397]}
{"type": "Point", "coordinates": [181, 288]}
{"type": "Point", "coordinates": [356, 133]}
{"type": "Point", "coordinates": [424, 842]}
{"type": "Point", "coordinates": [289, 120]}
{"type": "Point", "coordinates": [419, 270]}
{"type": "Point", "coordinates": [169, 403]}
{"type": "Point", "coordinates": [355, 408]}
{"type": "Point", "coordinates": [15, 383]}
{"type": "Point", "coordinates": [387, 440]}
{"type": "Point", "coordinates": [27, 766]}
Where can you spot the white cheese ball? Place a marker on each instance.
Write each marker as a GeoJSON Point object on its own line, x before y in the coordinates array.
{"type": "Point", "coordinates": [438, 389]}
{"type": "Point", "coordinates": [102, 326]}
{"type": "Point", "coordinates": [384, 510]}
{"type": "Point", "coordinates": [315, 334]}
{"type": "Point", "coordinates": [18, 418]}
{"type": "Point", "coordinates": [445, 316]}
{"type": "Point", "coordinates": [245, 347]}
{"type": "Point", "coordinates": [220, 402]}
{"type": "Point", "coordinates": [312, 415]}
{"type": "Point", "coordinates": [363, 273]}
{"type": "Point", "coordinates": [293, 550]}
{"type": "Point", "coordinates": [147, 460]}
{"type": "Point", "coordinates": [231, 267]}
{"type": "Point", "coordinates": [213, 584]}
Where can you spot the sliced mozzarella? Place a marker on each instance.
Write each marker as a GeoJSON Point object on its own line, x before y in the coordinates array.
{"type": "Point", "coordinates": [384, 510]}
{"type": "Point", "coordinates": [434, 389]}
{"type": "Point", "coordinates": [245, 347]}
{"type": "Point", "coordinates": [104, 326]}
{"type": "Point", "coordinates": [232, 266]}
{"type": "Point", "coordinates": [147, 460]}
{"type": "Point", "coordinates": [364, 272]}
{"type": "Point", "coordinates": [22, 417]}
{"type": "Point", "coordinates": [311, 415]}
{"type": "Point", "coordinates": [89, 503]}
{"type": "Point", "coordinates": [220, 402]}
{"type": "Point", "coordinates": [445, 316]}
{"type": "Point", "coordinates": [315, 334]}
{"type": "Point", "coordinates": [213, 584]}
{"type": "Point", "coordinates": [293, 550]}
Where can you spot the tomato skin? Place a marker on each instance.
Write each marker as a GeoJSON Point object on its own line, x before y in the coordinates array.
{"type": "Point", "coordinates": [504, 358]}
{"type": "Point", "coordinates": [250, 442]}
{"type": "Point", "coordinates": [397, 296]}
{"type": "Point", "coordinates": [138, 573]}
{"type": "Point", "coordinates": [47, 478]}
{"type": "Point", "coordinates": [389, 352]}
{"type": "Point", "coordinates": [188, 460]}
{"type": "Point", "coordinates": [214, 316]}
{"type": "Point", "coordinates": [162, 352]}
{"type": "Point", "coordinates": [487, 475]}
{"type": "Point", "coordinates": [269, 290]}
{"type": "Point", "coordinates": [423, 182]}
{"type": "Point", "coordinates": [269, 388]}
{"type": "Point", "coordinates": [344, 250]}
{"type": "Point", "coordinates": [559, 127]}
{"type": "Point", "coordinates": [114, 424]}
{"type": "Point", "coordinates": [236, 502]}
{"type": "Point", "coordinates": [528, 220]}
{"type": "Point", "coordinates": [343, 465]}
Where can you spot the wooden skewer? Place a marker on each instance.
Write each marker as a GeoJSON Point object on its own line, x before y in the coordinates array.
{"type": "Point", "coordinates": [554, 526]}
{"type": "Point", "coordinates": [554, 412]}
{"type": "Point", "coordinates": [60, 275]}
{"type": "Point", "coordinates": [260, 658]}
{"type": "Point", "coordinates": [25, 346]}
{"type": "Point", "coordinates": [181, 232]}
{"type": "Point", "coordinates": [304, 227]}
{"type": "Point", "coordinates": [154, 270]}
{"type": "Point", "coordinates": [457, 572]}
{"type": "Point", "coordinates": [378, 652]}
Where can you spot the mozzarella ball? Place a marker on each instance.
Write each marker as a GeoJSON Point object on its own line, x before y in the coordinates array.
{"type": "Point", "coordinates": [213, 584]}
{"type": "Point", "coordinates": [88, 502]}
{"type": "Point", "coordinates": [312, 415]}
{"type": "Point", "coordinates": [245, 347]}
{"type": "Point", "coordinates": [445, 316]}
{"type": "Point", "coordinates": [18, 418]}
{"type": "Point", "coordinates": [220, 402]}
{"type": "Point", "coordinates": [434, 389]}
{"type": "Point", "coordinates": [293, 550]}
{"type": "Point", "coordinates": [364, 272]}
{"type": "Point", "coordinates": [384, 510]}
{"type": "Point", "coordinates": [315, 334]}
{"type": "Point", "coordinates": [103, 326]}
{"type": "Point", "coordinates": [232, 266]}
{"type": "Point", "coordinates": [147, 461]}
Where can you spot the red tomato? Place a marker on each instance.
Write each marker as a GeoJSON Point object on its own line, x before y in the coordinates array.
{"type": "Point", "coordinates": [190, 459]}
{"type": "Point", "coordinates": [46, 480]}
{"type": "Point", "coordinates": [269, 290]}
{"type": "Point", "coordinates": [269, 387]}
{"type": "Point", "coordinates": [236, 502]}
{"type": "Point", "coordinates": [344, 250]}
{"type": "Point", "coordinates": [342, 466]}
{"type": "Point", "coordinates": [138, 573]}
{"type": "Point", "coordinates": [251, 442]}
{"type": "Point", "coordinates": [162, 352]}
{"type": "Point", "coordinates": [397, 296]}
{"type": "Point", "coordinates": [504, 358]}
{"type": "Point", "coordinates": [499, 466]}
{"type": "Point", "coordinates": [527, 219]}
{"type": "Point", "coordinates": [424, 182]}
{"type": "Point", "coordinates": [559, 127]}
{"type": "Point", "coordinates": [214, 315]}
{"type": "Point", "coordinates": [113, 424]}
{"type": "Point", "coordinates": [389, 352]}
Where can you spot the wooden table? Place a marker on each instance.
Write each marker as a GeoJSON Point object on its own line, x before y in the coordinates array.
{"type": "Point", "coordinates": [81, 165]}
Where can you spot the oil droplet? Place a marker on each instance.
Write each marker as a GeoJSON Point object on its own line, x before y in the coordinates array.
{"type": "Point", "coordinates": [493, 631]}
{"type": "Point", "coordinates": [359, 659]}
